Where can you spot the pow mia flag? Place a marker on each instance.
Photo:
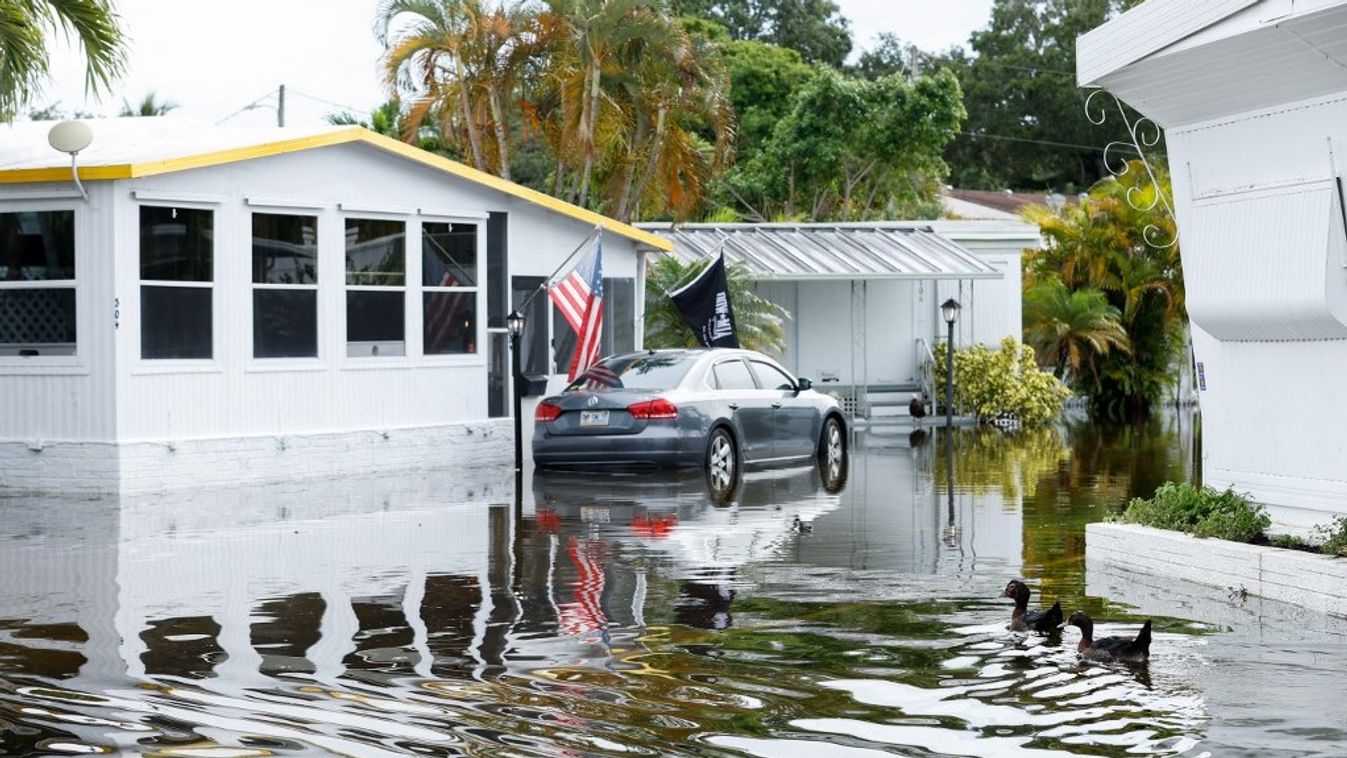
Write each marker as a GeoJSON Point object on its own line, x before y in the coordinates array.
{"type": "Point", "coordinates": [705, 305]}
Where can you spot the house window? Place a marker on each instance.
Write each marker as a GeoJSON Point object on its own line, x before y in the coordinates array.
{"type": "Point", "coordinates": [376, 286]}
{"type": "Point", "coordinates": [37, 283]}
{"type": "Point", "coordinates": [177, 258]}
{"type": "Point", "coordinates": [285, 286]}
{"type": "Point", "coordinates": [449, 287]}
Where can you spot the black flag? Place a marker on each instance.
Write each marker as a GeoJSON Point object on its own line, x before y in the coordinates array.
{"type": "Point", "coordinates": [705, 305]}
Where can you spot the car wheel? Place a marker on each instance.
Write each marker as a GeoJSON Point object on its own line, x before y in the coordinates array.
{"type": "Point", "coordinates": [722, 463]}
{"type": "Point", "coordinates": [832, 453]}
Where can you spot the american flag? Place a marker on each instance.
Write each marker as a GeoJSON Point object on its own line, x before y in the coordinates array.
{"type": "Point", "coordinates": [579, 297]}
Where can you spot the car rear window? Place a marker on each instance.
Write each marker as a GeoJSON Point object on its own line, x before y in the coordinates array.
{"type": "Point", "coordinates": [655, 371]}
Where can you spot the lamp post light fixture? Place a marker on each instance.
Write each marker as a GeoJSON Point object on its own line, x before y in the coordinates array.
{"type": "Point", "coordinates": [950, 309]}
{"type": "Point", "coordinates": [514, 323]}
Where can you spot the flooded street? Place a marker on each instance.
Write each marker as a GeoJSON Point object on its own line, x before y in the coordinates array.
{"type": "Point", "coordinates": [619, 615]}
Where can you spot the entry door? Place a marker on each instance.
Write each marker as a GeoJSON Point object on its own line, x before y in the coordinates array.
{"type": "Point", "coordinates": [752, 408]}
{"type": "Point", "coordinates": [793, 418]}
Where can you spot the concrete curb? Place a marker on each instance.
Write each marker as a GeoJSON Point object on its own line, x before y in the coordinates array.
{"type": "Point", "coordinates": [1314, 582]}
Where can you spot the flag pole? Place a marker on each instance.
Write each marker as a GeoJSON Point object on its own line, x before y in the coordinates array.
{"type": "Point", "coordinates": [598, 231]}
{"type": "Point", "coordinates": [685, 281]}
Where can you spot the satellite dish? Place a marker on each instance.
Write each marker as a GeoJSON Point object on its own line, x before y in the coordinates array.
{"type": "Point", "coordinates": [70, 136]}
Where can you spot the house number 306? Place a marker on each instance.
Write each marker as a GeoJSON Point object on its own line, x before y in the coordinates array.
{"type": "Point", "coordinates": [116, 313]}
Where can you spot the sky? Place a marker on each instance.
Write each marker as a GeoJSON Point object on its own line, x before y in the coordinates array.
{"type": "Point", "coordinates": [214, 59]}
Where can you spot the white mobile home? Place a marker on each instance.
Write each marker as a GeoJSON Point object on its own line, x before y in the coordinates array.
{"type": "Point", "coordinates": [1252, 95]}
{"type": "Point", "coordinates": [234, 305]}
{"type": "Point", "coordinates": [864, 299]}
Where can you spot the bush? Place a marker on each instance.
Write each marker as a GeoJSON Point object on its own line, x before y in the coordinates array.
{"type": "Point", "coordinates": [1001, 383]}
{"type": "Point", "coordinates": [1202, 512]}
{"type": "Point", "coordinates": [1335, 537]}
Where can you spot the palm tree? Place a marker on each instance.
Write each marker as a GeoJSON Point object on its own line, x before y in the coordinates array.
{"type": "Point", "coordinates": [759, 321]}
{"type": "Point", "coordinates": [148, 106]}
{"type": "Point", "coordinates": [1113, 243]}
{"type": "Point", "coordinates": [1069, 329]}
{"type": "Point", "coordinates": [24, 25]}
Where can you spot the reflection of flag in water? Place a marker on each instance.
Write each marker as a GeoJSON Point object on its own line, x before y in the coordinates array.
{"type": "Point", "coordinates": [656, 526]}
{"type": "Point", "coordinates": [579, 297]}
{"type": "Point", "coordinates": [443, 311]}
{"type": "Point", "coordinates": [585, 613]}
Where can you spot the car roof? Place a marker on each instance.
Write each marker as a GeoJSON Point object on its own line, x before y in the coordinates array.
{"type": "Point", "coordinates": [695, 353]}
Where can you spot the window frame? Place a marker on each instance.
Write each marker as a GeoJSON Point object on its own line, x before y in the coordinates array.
{"type": "Point", "coordinates": [411, 230]}
{"type": "Point", "coordinates": [143, 365]}
{"type": "Point", "coordinates": [254, 207]}
{"type": "Point", "coordinates": [55, 364]}
{"type": "Point", "coordinates": [479, 290]}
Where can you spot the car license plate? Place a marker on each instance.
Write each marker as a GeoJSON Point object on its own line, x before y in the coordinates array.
{"type": "Point", "coordinates": [593, 418]}
{"type": "Point", "coordinates": [595, 514]}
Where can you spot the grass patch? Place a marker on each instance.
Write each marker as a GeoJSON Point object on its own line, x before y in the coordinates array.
{"type": "Point", "coordinates": [1226, 515]}
{"type": "Point", "coordinates": [1201, 512]}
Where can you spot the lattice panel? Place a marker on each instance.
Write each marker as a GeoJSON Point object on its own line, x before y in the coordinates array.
{"type": "Point", "coordinates": [44, 316]}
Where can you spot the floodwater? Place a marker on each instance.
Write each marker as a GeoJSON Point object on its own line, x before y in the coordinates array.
{"type": "Point", "coordinates": [628, 615]}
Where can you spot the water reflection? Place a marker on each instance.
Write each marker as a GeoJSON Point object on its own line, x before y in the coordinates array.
{"type": "Point", "coordinates": [847, 610]}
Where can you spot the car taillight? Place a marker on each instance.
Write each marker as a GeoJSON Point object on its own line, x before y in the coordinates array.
{"type": "Point", "coordinates": [652, 410]}
{"type": "Point", "coordinates": [546, 412]}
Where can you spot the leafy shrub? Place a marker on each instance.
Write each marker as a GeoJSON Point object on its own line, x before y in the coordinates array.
{"type": "Point", "coordinates": [1335, 537]}
{"type": "Point", "coordinates": [1202, 512]}
{"type": "Point", "coordinates": [1005, 382]}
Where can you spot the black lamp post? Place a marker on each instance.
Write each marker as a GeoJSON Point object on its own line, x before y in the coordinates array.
{"type": "Point", "coordinates": [515, 324]}
{"type": "Point", "coordinates": [950, 309]}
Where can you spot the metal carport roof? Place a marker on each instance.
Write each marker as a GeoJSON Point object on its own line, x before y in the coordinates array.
{"type": "Point", "coordinates": [802, 252]}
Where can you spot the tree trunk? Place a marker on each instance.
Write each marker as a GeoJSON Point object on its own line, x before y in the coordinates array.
{"type": "Point", "coordinates": [591, 114]}
{"type": "Point", "coordinates": [465, 103]}
{"type": "Point", "coordinates": [559, 181]}
{"type": "Point", "coordinates": [502, 133]}
{"type": "Point", "coordinates": [653, 162]}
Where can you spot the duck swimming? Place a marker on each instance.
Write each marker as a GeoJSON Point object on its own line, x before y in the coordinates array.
{"type": "Point", "coordinates": [1136, 650]}
{"type": "Point", "coordinates": [1024, 620]}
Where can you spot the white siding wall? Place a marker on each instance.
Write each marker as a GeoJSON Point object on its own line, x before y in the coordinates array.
{"type": "Point", "coordinates": [235, 396]}
{"type": "Point", "coordinates": [43, 404]}
{"type": "Point", "coordinates": [1274, 410]}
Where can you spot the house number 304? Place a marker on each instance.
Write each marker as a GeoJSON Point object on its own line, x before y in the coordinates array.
{"type": "Point", "coordinates": [116, 313]}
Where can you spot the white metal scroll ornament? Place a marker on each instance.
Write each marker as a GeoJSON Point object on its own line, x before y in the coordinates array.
{"type": "Point", "coordinates": [1143, 134]}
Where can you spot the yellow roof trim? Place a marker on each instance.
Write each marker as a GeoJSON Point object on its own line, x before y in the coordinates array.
{"type": "Point", "coordinates": [343, 136]}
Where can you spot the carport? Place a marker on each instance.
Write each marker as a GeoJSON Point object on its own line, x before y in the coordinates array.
{"type": "Point", "coordinates": [865, 298]}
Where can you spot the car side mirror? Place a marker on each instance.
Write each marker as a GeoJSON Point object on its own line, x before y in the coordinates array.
{"type": "Point", "coordinates": [803, 384]}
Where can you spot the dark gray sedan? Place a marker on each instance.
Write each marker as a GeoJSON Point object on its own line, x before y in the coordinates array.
{"type": "Point", "coordinates": [718, 409]}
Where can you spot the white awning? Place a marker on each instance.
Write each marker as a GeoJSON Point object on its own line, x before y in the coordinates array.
{"type": "Point", "coordinates": [799, 252]}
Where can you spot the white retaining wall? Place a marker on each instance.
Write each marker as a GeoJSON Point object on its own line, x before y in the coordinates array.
{"type": "Point", "coordinates": [1315, 582]}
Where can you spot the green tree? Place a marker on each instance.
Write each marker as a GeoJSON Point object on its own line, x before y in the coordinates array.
{"type": "Point", "coordinates": [852, 149]}
{"type": "Point", "coordinates": [759, 321]}
{"type": "Point", "coordinates": [888, 56]}
{"type": "Point", "coordinates": [1115, 242]}
{"type": "Point", "coordinates": [813, 28]}
{"type": "Point", "coordinates": [766, 79]}
{"type": "Point", "coordinates": [1069, 330]}
{"type": "Point", "coordinates": [1027, 126]}
{"type": "Point", "coordinates": [148, 106]}
{"type": "Point", "coordinates": [24, 29]}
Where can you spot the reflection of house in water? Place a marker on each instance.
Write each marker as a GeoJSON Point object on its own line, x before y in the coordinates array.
{"type": "Point", "coordinates": [366, 582]}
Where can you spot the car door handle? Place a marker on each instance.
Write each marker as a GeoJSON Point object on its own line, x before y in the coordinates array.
{"type": "Point", "coordinates": [776, 405]}
{"type": "Point", "coordinates": [734, 406]}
